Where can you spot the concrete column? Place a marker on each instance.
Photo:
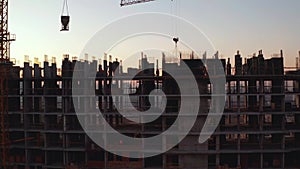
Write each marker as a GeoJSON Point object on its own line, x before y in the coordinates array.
{"type": "Point", "coordinates": [261, 160]}
{"type": "Point", "coordinates": [239, 159]}
{"type": "Point", "coordinates": [27, 103]}
{"type": "Point", "coordinates": [229, 97]}
{"type": "Point", "coordinates": [261, 96]}
{"type": "Point", "coordinates": [27, 87]}
{"type": "Point", "coordinates": [37, 88]}
{"type": "Point", "coordinates": [283, 161]}
{"type": "Point", "coordinates": [218, 149]}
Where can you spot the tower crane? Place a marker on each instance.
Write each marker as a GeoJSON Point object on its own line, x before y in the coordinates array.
{"type": "Point", "coordinates": [5, 40]}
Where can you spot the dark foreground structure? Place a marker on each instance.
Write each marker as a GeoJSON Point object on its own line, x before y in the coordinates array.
{"type": "Point", "coordinates": [260, 127]}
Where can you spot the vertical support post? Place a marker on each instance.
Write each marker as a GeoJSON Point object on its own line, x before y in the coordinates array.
{"type": "Point", "coordinates": [238, 86]}
{"type": "Point", "coordinates": [4, 115]}
{"type": "Point", "coordinates": [261, 160]}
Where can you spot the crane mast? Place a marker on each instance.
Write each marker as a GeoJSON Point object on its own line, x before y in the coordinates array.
{"type": "Point", "coordinates": [131, 2]}
{"type": "Point", "coordinates": [5, 36]}
{"type": "Point", "coordinates": [5, 39]}
{"type": "Point", "coordinates": [4, 31]}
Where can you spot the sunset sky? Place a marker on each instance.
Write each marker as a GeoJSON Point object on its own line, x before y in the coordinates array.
{"type": "Point", "coordinates": [231, 25]}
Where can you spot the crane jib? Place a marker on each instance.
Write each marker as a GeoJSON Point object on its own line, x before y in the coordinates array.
{"type": "Point", "coordinates": [131, 2]}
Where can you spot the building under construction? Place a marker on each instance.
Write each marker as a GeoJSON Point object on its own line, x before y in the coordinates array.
{"type": "Point", "coordinates": [260, 127]}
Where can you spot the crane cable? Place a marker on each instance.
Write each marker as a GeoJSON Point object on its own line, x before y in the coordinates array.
{"type": "Point", "coordinates": [174, 12]}
{"type": "Point", "coordinates": [65, 8]}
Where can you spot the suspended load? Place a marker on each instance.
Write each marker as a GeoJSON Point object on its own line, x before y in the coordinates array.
{"type": "Point", "coordinates": [65, 17]}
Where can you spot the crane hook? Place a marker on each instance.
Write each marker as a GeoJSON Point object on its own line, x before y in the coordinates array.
{"type": "Point", "coordinates": [176, 39]}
